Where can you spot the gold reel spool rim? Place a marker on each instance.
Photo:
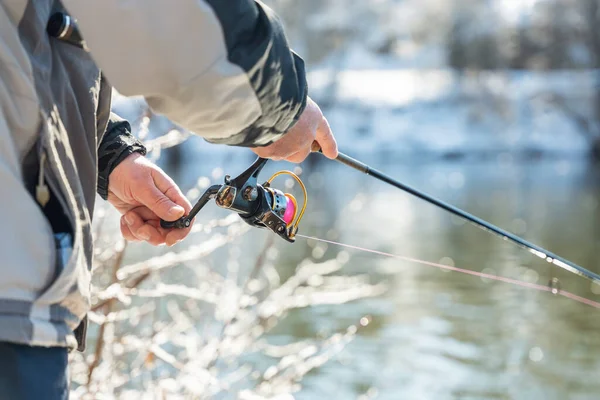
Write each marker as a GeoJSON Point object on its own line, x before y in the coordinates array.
{"type": "Point", "coordinates": [304, 191]}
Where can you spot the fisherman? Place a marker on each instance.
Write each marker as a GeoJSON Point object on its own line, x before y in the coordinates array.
{"type": "Point", "coordinates": [219, 68]}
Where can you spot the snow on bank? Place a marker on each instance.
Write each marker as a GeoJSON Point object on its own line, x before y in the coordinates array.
{"type": "Point", "coordinates": [407, 112]}
{"type": "Point", "coordinates": [439, 112]}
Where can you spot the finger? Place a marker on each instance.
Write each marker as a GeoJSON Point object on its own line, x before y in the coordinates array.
{"type": "Point", "coordinates": [168, 236]}
{"type": "Point", "coordinates": [133, 222]}
{"type": "Point", "coordinates": [176, 235]}
{"type": "Point", "coordinates": [264, 151]}
{"type": "Point", "coordinates": [156, 200]}
{"type": "Point", "coordinates": [126, 232]}
{"type": "Point", "coordinates": [155, 223]}
{"type": "Point", "coordinates": [166, 185]}
{"type": "Point", "coordinates": [271, 152]}
{"type": "Point", "coordinates": [326, 140]}
{"type": "Point", "coordinates": [259, 151]}
{"type": "Point", "coordinates": [299, 156]}
{"type": "Point", "coordinates": [152, 219]}
{"type": "Point", "coordinates": [286, 145]}
{"type": "Point", "coordinates": [141, 229]}
{"type": "Point", "coordinates": [172, 236]}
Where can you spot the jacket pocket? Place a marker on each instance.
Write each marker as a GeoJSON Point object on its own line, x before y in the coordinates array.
{"type": "Point", "coordinates": [63, 244]}
{"type": "Point", "coordinates": [65, 233]}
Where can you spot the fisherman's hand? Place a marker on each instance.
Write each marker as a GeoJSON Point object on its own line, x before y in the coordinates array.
{"type": "Point", "coordinates": [296, 144]}
{"type": "Point", "coordinates": [144, 194]}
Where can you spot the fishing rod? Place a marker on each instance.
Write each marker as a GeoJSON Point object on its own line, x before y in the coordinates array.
{"type": "Point", "coordinates": [483, 224]}
{"type": "Point", "coordinates": [262, 206]}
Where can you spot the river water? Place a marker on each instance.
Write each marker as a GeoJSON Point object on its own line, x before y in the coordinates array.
{"type": "Point", "coordinates": [446, 335]}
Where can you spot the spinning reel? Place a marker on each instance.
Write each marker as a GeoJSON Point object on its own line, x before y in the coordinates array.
{"type": "Point", "coordinates": [259, 205]}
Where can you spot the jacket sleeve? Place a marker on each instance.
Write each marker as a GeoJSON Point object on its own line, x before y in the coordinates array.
{"type": "Point", "coordinates": [117, 143]}
{"type": "Point", "coordinates": [220, 68]}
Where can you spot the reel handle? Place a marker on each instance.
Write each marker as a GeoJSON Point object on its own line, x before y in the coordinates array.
{"type": "Point", "coordinates": [186, 221]}
{"type": "Point", "coordinates": [181, 223]}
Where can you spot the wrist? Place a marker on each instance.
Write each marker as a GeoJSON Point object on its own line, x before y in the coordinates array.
{"type": "Point", "coordinates": [124, 147]}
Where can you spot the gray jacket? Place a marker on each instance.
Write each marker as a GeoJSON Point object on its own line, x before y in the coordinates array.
{"type": "Point", "coordinates": [219, 68]}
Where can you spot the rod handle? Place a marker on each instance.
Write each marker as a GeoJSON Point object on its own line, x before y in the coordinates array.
{"type": "Point", "coordinates": [344, 159]}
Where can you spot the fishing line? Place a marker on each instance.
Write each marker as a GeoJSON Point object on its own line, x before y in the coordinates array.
{"type": "Point", "coordinates": [529, 285]}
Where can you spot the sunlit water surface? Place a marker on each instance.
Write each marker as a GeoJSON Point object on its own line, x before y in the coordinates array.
{"type": "Point", "coordinates": [437, 334]}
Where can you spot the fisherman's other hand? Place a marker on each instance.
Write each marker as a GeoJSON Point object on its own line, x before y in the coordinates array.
{"type": "Point", "coordinates": [296, 144]}
{"type": "Point", "coordinates": [144, 194]}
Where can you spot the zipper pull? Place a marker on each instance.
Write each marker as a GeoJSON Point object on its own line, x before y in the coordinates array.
{"type": "Point", "coordinates": [42, 193]}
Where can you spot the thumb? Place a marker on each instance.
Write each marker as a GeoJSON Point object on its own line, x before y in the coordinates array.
{"type": "Point", "coordinates": [325, 139]}
{"type": "Point", "coordinates": [162, 196]}
{"type": "Point", "coordinates": [159, 203]}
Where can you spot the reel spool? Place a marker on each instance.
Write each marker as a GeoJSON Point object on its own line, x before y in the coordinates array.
{"type": "Point", "coordinates": [285, 205]}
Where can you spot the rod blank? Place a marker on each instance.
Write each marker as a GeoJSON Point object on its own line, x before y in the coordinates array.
{"type": "Point", "coordinates": [533, 248]}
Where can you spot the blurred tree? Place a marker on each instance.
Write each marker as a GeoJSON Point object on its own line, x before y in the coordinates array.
{"type": "Point", "coordinates": [472, 42]}
{"type": "Point", "coordinates": [469, 36]}
{"type": "Point", "coordinates": [591, 13]}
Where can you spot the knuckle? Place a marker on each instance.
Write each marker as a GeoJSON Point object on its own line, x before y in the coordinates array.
{"type": "Point", "coordinates": [138, 180]}
{"type": "Point", "coordinates": [127, 235]}
{"type": "Point", "coordinates": [161, 201]}
{"type": "Point", "coordinates": [173, 192]}
{"type": "Point", "coordinates": [156, 242]}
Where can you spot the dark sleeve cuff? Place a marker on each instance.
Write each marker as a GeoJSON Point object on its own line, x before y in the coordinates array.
{"type": "Point", "coordinates": [117, 144]}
